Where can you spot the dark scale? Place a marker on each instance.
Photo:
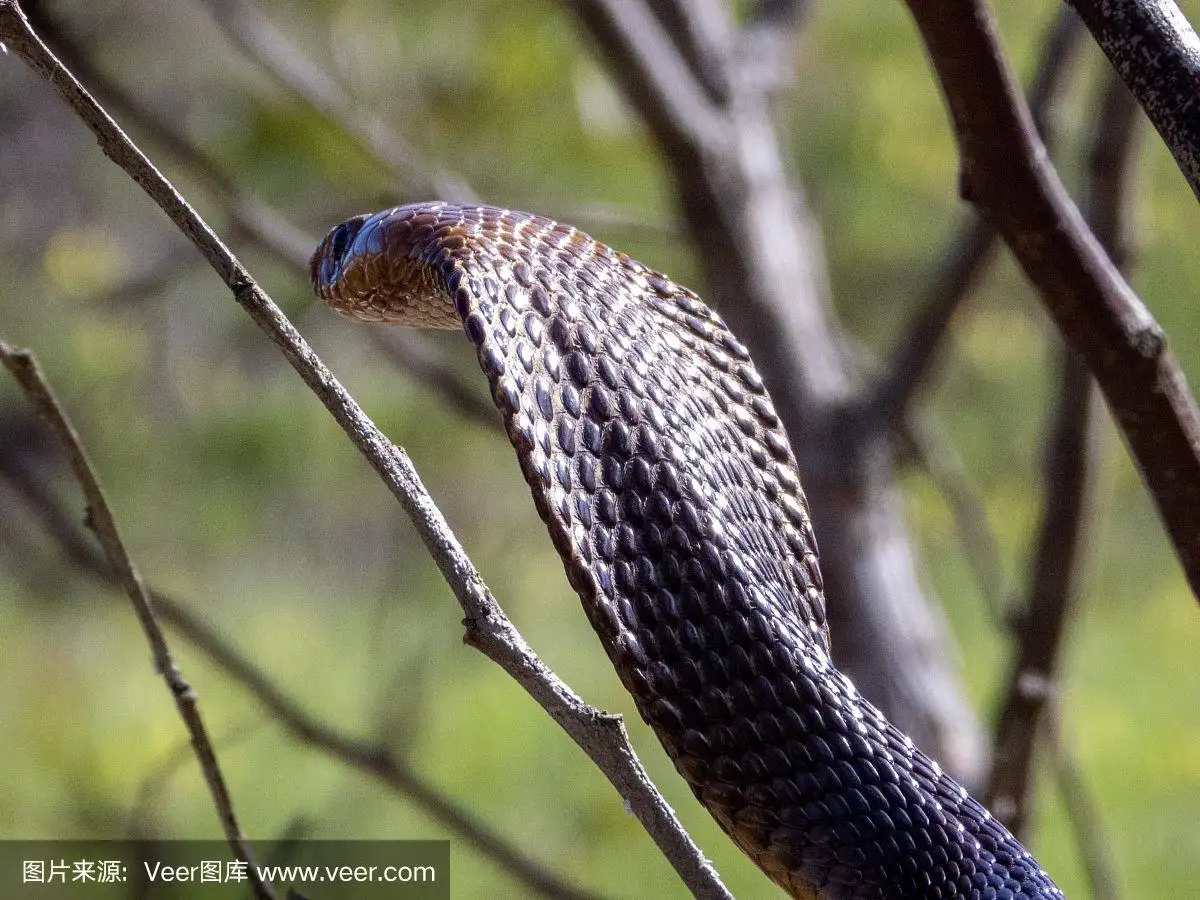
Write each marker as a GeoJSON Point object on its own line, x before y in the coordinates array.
{"type": "Point", "coordinates": [669, 488]}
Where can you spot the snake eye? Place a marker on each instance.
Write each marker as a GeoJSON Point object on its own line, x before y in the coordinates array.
{"type": "Point", "coordinates": [343, 235]}
{"type": "Point", "coordinates": [327, 259]}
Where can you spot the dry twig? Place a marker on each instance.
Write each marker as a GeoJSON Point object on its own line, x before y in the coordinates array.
{"type": "Point", "coordinates": [375, 759]}
{"type": "Point", "coordinates": [25, 370]}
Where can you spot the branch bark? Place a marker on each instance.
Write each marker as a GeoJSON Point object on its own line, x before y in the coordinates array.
{"type": "Point", "coordinates": [1157, 53]}
{"type": "Point", "coordinates": [1007, 175]}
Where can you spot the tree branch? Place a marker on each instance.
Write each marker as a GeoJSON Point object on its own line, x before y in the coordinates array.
{"type": "Point", "coordinates": [924, 440]}
{"type": "Point", "coordinates": [264, 226]}
{"type": "Point", "coordinates": [1006, 174]}
{"type": "Point", "coordinates": [1084, 815]}
{"type": "Point", "coordinates": [24, 368]}
{"type": "Point", "coordinates": [602, 736]}
{"type": "Point", "coordinates": [374, 759]}
{"type": "Point", "coordinates": [1157, 53]}
{"type": "Point", "coordinates": [886, 404]}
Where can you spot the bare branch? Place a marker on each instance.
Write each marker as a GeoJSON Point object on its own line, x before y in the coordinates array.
{"type": "Point", "coordinates": [269, 48]}
{"type": "Point", "coordinates": [923, 439]}
{"type": "Point", "coordinates": [25, 370]}
{"type": "Point", "coordinates": [1007, 175]}
{"type": "Point", "coordinates": [1034, 677]}
{"type": "Point", "coordinates": [375, 759]}
{"type": "Point", "coordinates": [970, 250]}
{"type": "Point", "coordinates": [602, 736]}
{"type": "Point", "coordinates": [1041, 636]}
{"type": "Point", "coordinates": [1156, 52]}
{"type": "Point", "coordinates": [1110, 159]}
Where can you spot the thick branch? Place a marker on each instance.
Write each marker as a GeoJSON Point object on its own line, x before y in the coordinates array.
{"type": "Point", "coordinates": [25, 370]}
{"type": "Point", "coordinates": [970, 251]}
{"type": "Point", "coordinates": [603, 737]}
{"type": "Point", "coordinates": [1006, 174]}
{"type": "Point", "coordinates": [1156, 52]}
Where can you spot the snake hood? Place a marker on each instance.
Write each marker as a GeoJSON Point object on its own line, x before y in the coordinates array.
{"type": "Point", "coordinates": [663, 473]}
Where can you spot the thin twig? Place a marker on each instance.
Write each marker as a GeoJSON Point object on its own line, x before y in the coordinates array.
{"type": "Point", "coordinates": [24, 368]}
{"type": "Point", "coordinates": [924, 440]}
{"type": "Point", "coordinates": [602, 737]}
{"type": "Point", "coordinates": [888, 401]}
{"type": "Point", "coordinates": [1095, 849]}
{"type": "Point", "coordinates": [268, 47]}
{"type": "Point", "coordinates": [1006, 173]}
{"type": "Point", "coordinates": [1157, 53]}
{"type": "Point", "coordinates": [375, 759]}
{"type": "Point", "coordinates": [264, 226]}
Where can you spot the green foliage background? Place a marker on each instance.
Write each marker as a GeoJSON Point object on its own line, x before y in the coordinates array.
{"type": "Point", "coordinates": [237, 493]}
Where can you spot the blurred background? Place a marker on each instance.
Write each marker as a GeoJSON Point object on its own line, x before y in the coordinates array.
{"type": "Point", "coordinates": [240, 498]}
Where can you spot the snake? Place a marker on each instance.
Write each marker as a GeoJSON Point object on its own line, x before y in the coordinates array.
{"type": "Point", "coordinates": [657, 461]}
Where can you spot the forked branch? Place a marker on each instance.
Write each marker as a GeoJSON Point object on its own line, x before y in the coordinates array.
{"type": "Point", "coordinates": [1007, 175]}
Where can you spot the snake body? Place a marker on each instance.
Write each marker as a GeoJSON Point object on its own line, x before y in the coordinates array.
{"type": "Point", "coordinates": [657, 461]}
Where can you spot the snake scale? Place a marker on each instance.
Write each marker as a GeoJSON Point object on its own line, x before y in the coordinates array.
{"type": "Point", "coordinates": [657, 461]}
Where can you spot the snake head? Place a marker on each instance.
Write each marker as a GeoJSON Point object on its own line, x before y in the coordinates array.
{"type": "Point", "coordinates": [326, 264]}
{"type": "Point", "coordinates": [373, 268]}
